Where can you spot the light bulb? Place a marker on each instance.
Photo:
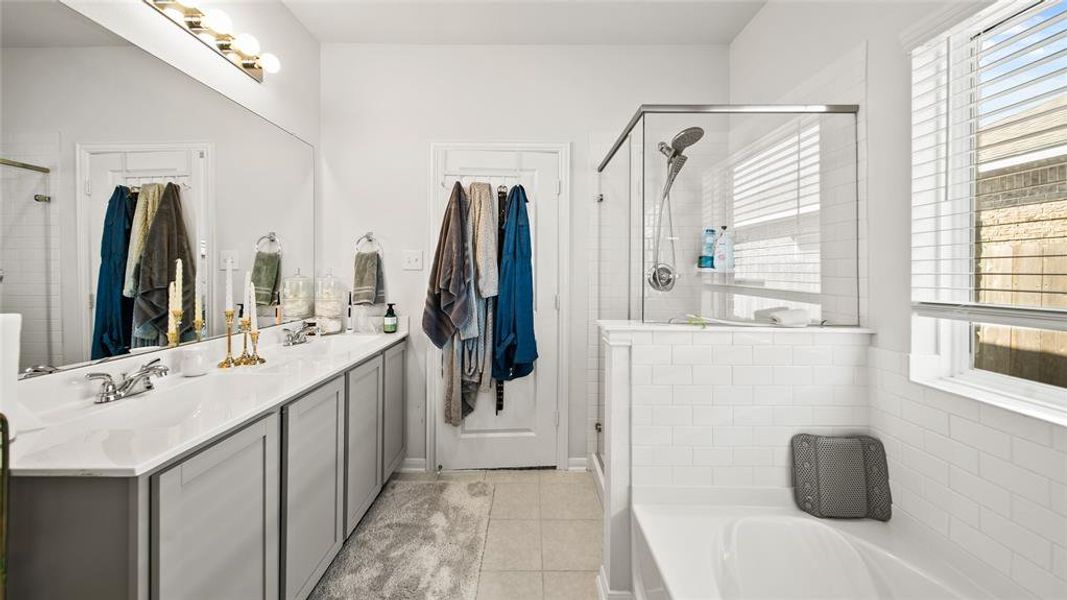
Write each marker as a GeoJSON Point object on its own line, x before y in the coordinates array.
{"type": "Point", "coordinates": [195, 4]}
{"type": "Point", "coordinates": [218, 21]}
{"type": "Point", "coordinates": [175, 15]}
{"type": "Point", "coordinates": [246, 44]}
{"type": "Point", "coordinates": [270, 63]}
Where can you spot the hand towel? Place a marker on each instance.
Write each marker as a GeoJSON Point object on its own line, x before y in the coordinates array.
{"type": "Point", "coordinates": [368, 282]}
{"type": "Point", "coordinates": [447, 303]}
{"type": "Point", "coordinates": [147, 205]}
{"type": "Point", "coordinates": [265, 270]}
{"type": "Point", "coordinates": [797, 317]}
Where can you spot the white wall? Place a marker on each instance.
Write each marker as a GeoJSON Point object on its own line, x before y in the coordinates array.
{"type": "Point", "coordinates": [384, 104]}
{"type": "Point", "coordinates": [289, 98]}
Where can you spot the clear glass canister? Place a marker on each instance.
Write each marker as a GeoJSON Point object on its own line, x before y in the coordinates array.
{"type": "Point", "coordinates": [297, 297]}
{"type": "Point", "coordinates": [331, 296]}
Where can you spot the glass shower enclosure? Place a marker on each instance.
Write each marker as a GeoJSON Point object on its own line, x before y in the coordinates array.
{"type": "Point", "coordinates": [725, 214]}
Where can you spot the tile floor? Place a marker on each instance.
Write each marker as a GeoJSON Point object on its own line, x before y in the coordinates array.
{"type": "Point", "coordinates": [544, 538]}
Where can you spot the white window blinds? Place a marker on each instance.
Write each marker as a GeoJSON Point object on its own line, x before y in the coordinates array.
{"type": "Point", "coordinates": [989, 168]}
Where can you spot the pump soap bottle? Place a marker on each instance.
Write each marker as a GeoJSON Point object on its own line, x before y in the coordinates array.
{"type": "Point", "coordinates": [390, 320]}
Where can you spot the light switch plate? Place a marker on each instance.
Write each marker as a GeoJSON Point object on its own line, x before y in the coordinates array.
{"type": "Point", "coordinates": [227, 256]}
{"type": "Point", "coordinates": [412, 260]}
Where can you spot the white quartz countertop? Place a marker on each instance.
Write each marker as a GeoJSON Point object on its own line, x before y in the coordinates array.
{"type": "Point", "coordinates": [71, 436]}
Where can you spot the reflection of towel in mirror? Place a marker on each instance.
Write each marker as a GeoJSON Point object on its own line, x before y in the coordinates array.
{"type": "Point", "coordinates": [265, 271]}
{"type": "Point", "coordinates": [143, 215]}
{"type": "Point", "coordinates": [368, 284]}
{"type": "Point", "coordinates": [166, 242]}
{"type": "Point", "coordinates": [797, 317]}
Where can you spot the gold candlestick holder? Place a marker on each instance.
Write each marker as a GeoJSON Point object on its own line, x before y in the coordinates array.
{"type": "Point", "coordinates": [198, 326]}
{"type": "Point", "coordinates": [255, 358]}
{"type": "Point", "coordinates": [172, 334]}
{"type": "Point", "coordinates": [229, 361]}
{"type": "Point", "coordinates": [245, 358]}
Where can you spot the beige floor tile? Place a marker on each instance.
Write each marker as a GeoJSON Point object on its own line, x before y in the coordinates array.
{"type": "Point", "coordinates": [575, 500]}
{"type": "Point", "coordinates": [516, 501]}
{"type": "Point", "coordinates": [510, 585]}
{"type": "Point", "coordinates": [569, 545]}
{"type": "Point", "coordinates": [512, 546]}
{"type": "Point", "coordinates": [557, 476]}
{"type": "Point", "coordinates": [461, 475]}
{"type": "Point", "coordinates": [514, 476]}
{"type": "Point", "coordinates": [570, 585]}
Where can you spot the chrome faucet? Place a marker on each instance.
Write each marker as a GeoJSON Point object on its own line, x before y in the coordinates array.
{"type": "Point", "coordinates": [37, 371]}
{"type": "Point", "coordinates": [131, 384]}
{"type": "Point", "coordinates": [300, 336]}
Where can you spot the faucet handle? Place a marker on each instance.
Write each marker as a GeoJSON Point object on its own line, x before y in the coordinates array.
{"type": "Point", "coordinates": [105, 377]}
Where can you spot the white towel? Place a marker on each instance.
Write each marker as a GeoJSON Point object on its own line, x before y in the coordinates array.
{"type": "Point", "coordinates": [797, 317]}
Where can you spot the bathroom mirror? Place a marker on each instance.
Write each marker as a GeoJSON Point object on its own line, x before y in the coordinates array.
{"type": "Point", "coordinates": [114, 165]}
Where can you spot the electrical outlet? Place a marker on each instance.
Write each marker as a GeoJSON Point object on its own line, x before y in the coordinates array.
{"type": "Point", "coordinates": [229, 256]}
{"type": "Point", "coordinates": [412, 260]}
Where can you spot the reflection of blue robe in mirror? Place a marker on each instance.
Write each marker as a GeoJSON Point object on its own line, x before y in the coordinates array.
{"type": "Point", "coordinates": [114, 312]}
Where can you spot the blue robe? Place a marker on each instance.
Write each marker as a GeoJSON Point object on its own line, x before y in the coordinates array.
{"type": "Point", "coordinates": [113, 323]}
{"type": "Point", "coordinates": [514, 345]}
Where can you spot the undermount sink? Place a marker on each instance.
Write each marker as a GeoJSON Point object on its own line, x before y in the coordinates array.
{"type": "Point", "coordinates": [327, 344]}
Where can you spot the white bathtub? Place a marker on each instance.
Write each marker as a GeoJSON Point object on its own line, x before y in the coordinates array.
{"type": "Point", "coordinates": [735, 553]}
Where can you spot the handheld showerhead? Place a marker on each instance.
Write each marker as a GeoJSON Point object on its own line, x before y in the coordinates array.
{"type": "Point", "coordinates": [686, 138]}
{"type": "Point", "coordinates": [666, 150]}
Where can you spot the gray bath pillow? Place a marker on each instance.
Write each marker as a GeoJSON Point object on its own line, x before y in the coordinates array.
{"type": "Point", "coordinates": [841, 476]}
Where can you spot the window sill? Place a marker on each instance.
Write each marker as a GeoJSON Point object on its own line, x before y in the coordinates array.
{"type": "Point", "coordinates": [996, 396]}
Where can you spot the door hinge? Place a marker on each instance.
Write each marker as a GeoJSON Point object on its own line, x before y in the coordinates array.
{"type": "Point", "coordinates": [557, 419]}
{"type": "Point", "coordinates": [557, 302]}
{"type": "Point", "coordinates": [92, 301]}
{"type": "Point", "coordinates": [559, 188]}
{"type": "Point", "coordinates": [88, 187]}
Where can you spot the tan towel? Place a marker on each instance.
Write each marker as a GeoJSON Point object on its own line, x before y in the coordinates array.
{"type": "Point", "coordinates": [147, 205]}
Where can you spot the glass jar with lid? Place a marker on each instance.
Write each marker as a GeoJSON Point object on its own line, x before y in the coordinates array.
{"type": "Point", "coordinates": [331, 297]}
{"type": "Point", "coordinates": [297, 297]}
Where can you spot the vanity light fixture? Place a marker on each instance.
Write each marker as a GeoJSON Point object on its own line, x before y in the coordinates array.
{"type": "Point", "coordinates": [215, 29]}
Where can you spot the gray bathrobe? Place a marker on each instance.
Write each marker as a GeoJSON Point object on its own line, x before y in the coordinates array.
{"type": "Point", "coordinates": [167, 241]}
{"type": "Point", "coordinates": [448, 306]}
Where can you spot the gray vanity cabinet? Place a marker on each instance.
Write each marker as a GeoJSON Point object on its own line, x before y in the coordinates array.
{"type": "Point", "coordinates": [313, 500]}
{"type": "Point", "coordinates": [393, 417]}
{"type": "Point", "coordinates": [216, 519]}
{"type": "Point", "coordinates": [363, 407]}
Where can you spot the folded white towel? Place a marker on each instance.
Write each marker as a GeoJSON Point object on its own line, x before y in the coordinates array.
{"type": "Point", "coordinates": [797, 317]}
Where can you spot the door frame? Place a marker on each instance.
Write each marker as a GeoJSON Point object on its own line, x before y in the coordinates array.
{"type": "Point", "coordinates": [83, 152]}
{"type": "Point", "coordinates": [433, 387]}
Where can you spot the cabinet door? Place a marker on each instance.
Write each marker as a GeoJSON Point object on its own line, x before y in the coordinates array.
{"type": "Point", "coordinates": [364, 464]}
{"type": "Point", "coordinates": [216, 520]}
{"type": "Point", "coordinates": [393, 418]}
{"type": "Point", "coordinates": [313, 496]}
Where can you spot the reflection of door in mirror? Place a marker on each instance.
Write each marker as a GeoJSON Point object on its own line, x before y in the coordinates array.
{"type": "Point", "coordinates": [102, 167]}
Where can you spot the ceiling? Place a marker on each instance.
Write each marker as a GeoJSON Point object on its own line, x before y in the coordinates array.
{"type": "Point", "coordinates": [525, 21]}
{"type": "Point", "coordinates": [50, 25]}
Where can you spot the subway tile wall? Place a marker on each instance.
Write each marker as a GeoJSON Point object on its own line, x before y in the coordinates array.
{"type": "Point", "coordinates": [717, 408]}
{"type": "Point", "coordinates": [992, 481]}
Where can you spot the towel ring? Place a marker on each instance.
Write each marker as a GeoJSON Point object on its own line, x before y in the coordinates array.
{"type": "Point", "coordinates": [270, 238]}
{"type": "Point", "coordinates": [369, 238]}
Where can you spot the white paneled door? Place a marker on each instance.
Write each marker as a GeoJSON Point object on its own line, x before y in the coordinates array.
{"type": "Point", "coordinates": [526, 432]}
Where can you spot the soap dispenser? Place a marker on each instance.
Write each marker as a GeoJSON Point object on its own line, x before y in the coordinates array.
{"type": "Point", "coordinates": [389, 322]}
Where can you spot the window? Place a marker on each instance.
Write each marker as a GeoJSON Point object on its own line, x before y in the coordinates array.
{"type": "Point", "coordinates": [989, 194]}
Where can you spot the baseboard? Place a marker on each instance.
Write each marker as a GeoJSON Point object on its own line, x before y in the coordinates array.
{"type": "Point", "coordinates": [604, 593]}
{"type": "Point", "coordinates": [412, 465]}
{"type": "Point", "coordinates": [577, 464]}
